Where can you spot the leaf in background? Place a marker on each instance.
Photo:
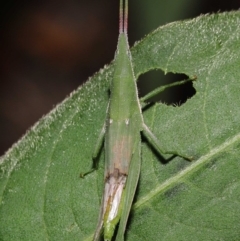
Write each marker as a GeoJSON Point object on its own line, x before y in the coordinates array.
{"type": "Point", "coordinates": [42, 196]}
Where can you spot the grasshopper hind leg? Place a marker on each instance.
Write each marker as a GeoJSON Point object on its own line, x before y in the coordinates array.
{"type": "Point", "coordinates": [155, 143]}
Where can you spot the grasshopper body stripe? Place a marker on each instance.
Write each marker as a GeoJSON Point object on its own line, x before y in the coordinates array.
{"type": "Point", "coordinates": [122, 143]}
{"type": "Point", "coordinates": [123, 126]}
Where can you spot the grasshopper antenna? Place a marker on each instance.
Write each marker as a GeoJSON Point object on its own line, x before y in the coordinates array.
{"type": "Point", "coordinates": [123, 17]}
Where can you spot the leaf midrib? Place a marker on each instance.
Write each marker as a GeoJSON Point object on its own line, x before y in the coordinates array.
{"type": "Point", "coordinates": [186, 172]}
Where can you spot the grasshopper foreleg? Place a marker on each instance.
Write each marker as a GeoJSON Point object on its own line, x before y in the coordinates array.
{"type": "Point", "coordinates": [162, 88]}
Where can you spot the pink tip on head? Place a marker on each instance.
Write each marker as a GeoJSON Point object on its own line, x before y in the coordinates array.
{"type": "Point", "coordinates": [123, 17]}
{"type": "Point", "coordinates": [126, 17]}
{"type": "Point", "coordinates": [120, 20]}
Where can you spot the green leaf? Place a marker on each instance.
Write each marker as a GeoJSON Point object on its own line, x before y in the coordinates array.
{"type": "Point", "coordinates": [42, 196]}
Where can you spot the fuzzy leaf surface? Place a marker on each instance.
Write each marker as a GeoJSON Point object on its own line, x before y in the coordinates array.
{"type": "Point", "coordinates": [42, 196]}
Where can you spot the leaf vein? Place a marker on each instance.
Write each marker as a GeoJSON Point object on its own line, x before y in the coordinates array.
{"type": "Point", "coordinates": [187, 171]}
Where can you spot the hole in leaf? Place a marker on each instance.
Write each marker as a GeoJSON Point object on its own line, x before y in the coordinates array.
{"type": "Point", "coordinates": [176, 95]}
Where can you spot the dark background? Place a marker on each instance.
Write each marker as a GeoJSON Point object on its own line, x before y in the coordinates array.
{"type": "Point", "coordinates": [49, 48]}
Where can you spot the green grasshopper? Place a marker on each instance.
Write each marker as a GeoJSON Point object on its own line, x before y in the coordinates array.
{"type": "Point", "coordinates": [122, 132]}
